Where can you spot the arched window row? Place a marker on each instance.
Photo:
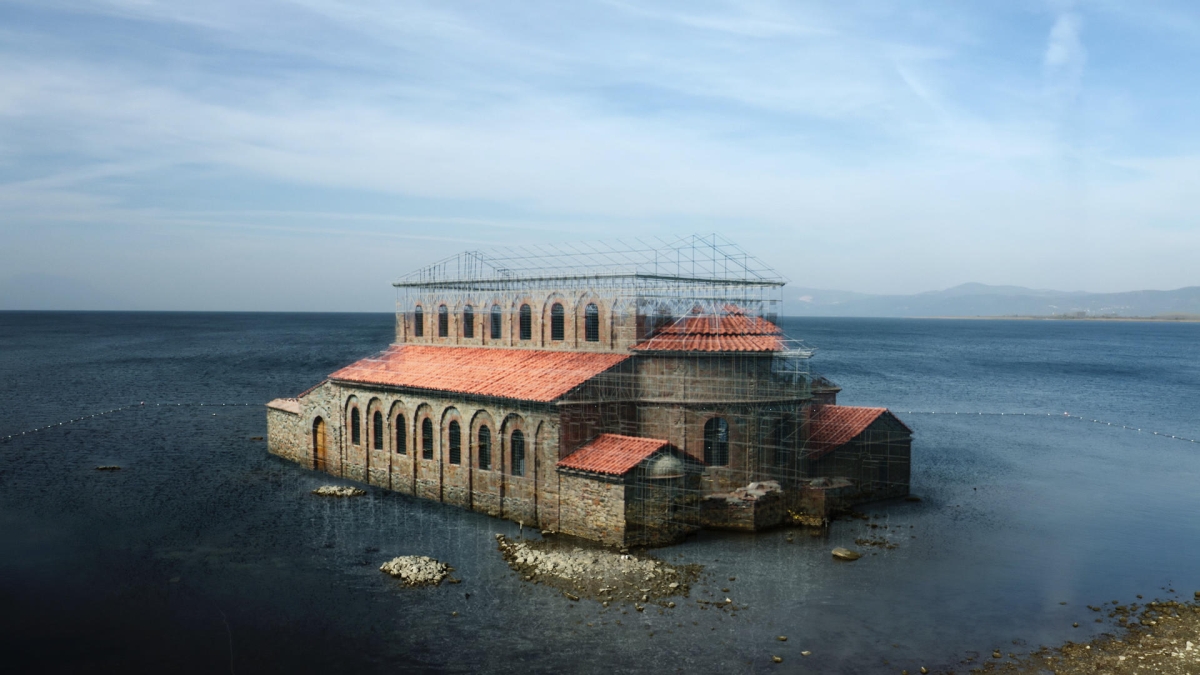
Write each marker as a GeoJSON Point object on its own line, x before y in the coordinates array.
{"type": "Point", "coordinates": [455, 441]}
{"type": "Point", "coordinates": [495, 323]}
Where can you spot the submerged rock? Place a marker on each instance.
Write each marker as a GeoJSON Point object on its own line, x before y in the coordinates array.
{"type": "Point", "coordinates": [108, 467]}
{"type": "Point", "coordinates": [339, 491]}
{"type": "Point", "coordinates": [595, 572]}
{"type": "Point", "coordinates": [846, 554]}
{"type": "Point", "coordinates": [416, 570]}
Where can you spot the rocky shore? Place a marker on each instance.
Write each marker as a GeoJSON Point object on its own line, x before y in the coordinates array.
{"type": "Point", "coordinates": [338, 491]}
{"type": "Point", "coordinates": [1160, 637]}
{"type": "Point", "coordinates": [416, 570]}
{"type": "Point", "coordinates": [596, 573]}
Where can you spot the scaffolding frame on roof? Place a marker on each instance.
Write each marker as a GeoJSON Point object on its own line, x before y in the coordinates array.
{"type": "Point", "coordinates": [670, 276]}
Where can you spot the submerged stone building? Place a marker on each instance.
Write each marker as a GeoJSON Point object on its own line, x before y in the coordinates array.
{"type": "Point", "coordinates": [625, 394]}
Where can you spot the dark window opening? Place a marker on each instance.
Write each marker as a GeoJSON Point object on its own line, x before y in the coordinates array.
{"type": "Point", "coordinates": [401, 434]}
{"type": "Point", "coordinates": [518, 453]}
{"type": "Point", "coordinates": [443, 321]}
{"type": "Point", "coordinates": [468, 322]}
{"type": "Point", "coordinates": [497, 322]}
{"type": "Point", "coordinates": [419, 322]}
{"type": "Point", "coordinates": [455, 443]}
{"type": "Point", "coordinates": [526, 323]}
{"type": "Point", "coordinates": [716, 442]}
{"type": "Point", "coordinates": [779, 438]}
{"type": "Point", "coordinates": [355, 433]}
{"type": "Point", "coordinates": [485, 448]}
{"type": "Point", "coordinates": [556, 322]}
{"type": "Point", "coordinates": [591, 323]}
{"type": "Point", "coordinates": [377, 428]}
{"type": "Point", "coordinates": [426, 439]}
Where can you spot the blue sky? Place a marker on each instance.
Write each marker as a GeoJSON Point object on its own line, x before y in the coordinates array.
{"type": "Point", "coordinates": [301, 154]}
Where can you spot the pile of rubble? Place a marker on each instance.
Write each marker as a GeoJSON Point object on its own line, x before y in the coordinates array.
{"type": "Point", "coordinates": [416, 570]}
{"type": "Point", "coordinates": [339, 491]}
{"type": "Point", "coordinates": [595, 572]}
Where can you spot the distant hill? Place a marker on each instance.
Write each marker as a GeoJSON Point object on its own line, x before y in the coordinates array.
{"type": "Point", "coordinates": [983, 300]}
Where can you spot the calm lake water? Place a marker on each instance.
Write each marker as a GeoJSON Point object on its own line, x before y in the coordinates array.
{"type": "Point", "coordinates": [204, 554]}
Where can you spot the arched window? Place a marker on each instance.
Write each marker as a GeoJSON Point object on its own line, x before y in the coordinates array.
{"type": "Point", "coordinates": [377, 428]}
{"type": "Point", "coordinates": [591, 323]}
{"type": "Point", "coordinates": [526, 323]}
{"type": "Point", "coordinates": [319, 444]}
{"type": "Point", "coordinates": [716, 442]}
{"type": "Point", "coordinates": [556, 322]}
{"type": "Point", "coordinates": [426, 439]}
{"type": "Point", "coordinates": [518, 453]}
{"type": "Point", "coordinates": [485, 448]}
{"type": "Point", "coordinates": [419, 322]}
{"type": "Point", "coordinates": [497, 322]}
{"type": "Point", "coordinates": [468, 322]}
{"type": "Point", "coordinates": [443, 321]}
{"type": "Point", "coordinates": [401, 436]}
{"type": "Point", "coordinates": [455, 443]}
{"type": "Point", "coordinates": [355, 432]}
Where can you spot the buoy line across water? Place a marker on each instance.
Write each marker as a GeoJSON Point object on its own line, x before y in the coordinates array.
{"type": "Point", "coordinates": [139, 405]}
{"type": "Point", "coordinates": [1065, 415]}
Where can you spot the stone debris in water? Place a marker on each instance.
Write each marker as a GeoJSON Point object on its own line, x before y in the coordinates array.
{"type": "Point", "coordinates": [339, 491]}
{"type": "Point", "coordinates": [1165, 643]}
{"type": "Point", "coordinates": [108, 467]}
{"type": "Point", "coordinates": [594, 572]}
{"type": "Point", "coordinates": [846, 554]}
{"type": "Point", "coordinates": [416, 570]}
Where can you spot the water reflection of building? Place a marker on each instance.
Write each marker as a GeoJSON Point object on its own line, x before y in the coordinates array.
{"type": "Point", "coordinates": [626, 394]}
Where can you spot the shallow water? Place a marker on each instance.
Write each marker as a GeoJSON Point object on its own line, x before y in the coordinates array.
{"type": "Point", "coordinates": [205, 554]}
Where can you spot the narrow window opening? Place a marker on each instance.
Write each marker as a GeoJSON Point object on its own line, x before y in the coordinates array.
{"type": "Point", "coordinates": [518, 453]}
{"type": "Point", "coordinates": [469, 322]}
{"type": "Point", "coordinates": [419, 322]}
{"type": "Point", "coordinates": [497, 322]}
{"type": "Point", "coordinates": [426, 439]}
{"type": "Point", "coordinates": [716, 442]}
{"type": "Point", "coordinates": [377, 429]}
{"type": "Point", "coordinates": [556, 322]}
{"type": "Point", "coordinates": [443, 321]}
{"type": "Point", "coordinates": [355, 432]}
{"type": "Point", "coordinates": [455, 443]}
{"type": "Point", "coordinates": [526, 323]}
{"type": "Point", "coordinates": [401, 436]}
{"type": "Point", "coordinates": [485, 448]}
{"type": "Point", "coordinates": [591, 323]}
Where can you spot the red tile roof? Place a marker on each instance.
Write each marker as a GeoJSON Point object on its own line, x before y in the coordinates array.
{"type": "Point", "coordinates": [521, 374]}
{"type": "Point", "coordinates": [834, 425]}
{"type": "Point", "coordinates": [732, 332]}
{"type": "Point", "coordinates": [612, 454]}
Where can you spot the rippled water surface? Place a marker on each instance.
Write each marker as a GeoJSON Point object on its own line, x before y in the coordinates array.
{"type": "Point", "coordinates": [204, 554]}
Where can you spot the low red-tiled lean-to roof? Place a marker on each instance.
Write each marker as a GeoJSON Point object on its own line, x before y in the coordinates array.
{"type": "Point", "coordinates": [834, 425]}
{"type": "Point", "coordinates": [612, 454]}
{"type": "Point", "coordinates": [521, 374]}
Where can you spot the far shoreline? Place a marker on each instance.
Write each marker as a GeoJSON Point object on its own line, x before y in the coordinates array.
{"type": "Point", "coordinates": [1186, 318]}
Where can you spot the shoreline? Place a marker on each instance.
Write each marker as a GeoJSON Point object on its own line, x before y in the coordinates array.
{"type": "Point", "coordinates": [1161, 636]}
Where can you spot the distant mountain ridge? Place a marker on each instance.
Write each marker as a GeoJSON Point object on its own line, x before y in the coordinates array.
{"type": "Point", "coordinates": [974, 299]}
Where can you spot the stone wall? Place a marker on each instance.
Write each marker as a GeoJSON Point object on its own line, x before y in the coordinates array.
{"type": "Point", "coordinates": [531, 499]}
{"type": "Point", "coordinates": [592, 509]}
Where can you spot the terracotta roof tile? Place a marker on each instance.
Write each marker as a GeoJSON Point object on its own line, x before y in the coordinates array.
{"type": "Point", "coordinates": [290, 405]}
{"type": "Point", "coordinates": [612, 454]}
{"type": "Point", "coordinates": [733, 332]}
{"type": "Point", "coordinates": [521, 374]}
{"type": "Point", "coordinates": [834, 425]}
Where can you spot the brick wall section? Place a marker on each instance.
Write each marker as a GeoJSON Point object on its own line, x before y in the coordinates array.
{"type": "Point", "coordinates": [526, 499]}
{"type": "Point", "coordinates": [592, 509]}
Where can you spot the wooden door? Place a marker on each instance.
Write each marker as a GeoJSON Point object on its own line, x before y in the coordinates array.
{"type": "Point", "coordinates": [319, 444]}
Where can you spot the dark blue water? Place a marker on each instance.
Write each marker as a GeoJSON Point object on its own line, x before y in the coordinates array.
{"type": "Point", "coordinates": [204, 554]}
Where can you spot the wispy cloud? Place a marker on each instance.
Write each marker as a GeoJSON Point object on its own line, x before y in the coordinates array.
{"type": "Point", "coordinates": [816, 132]}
